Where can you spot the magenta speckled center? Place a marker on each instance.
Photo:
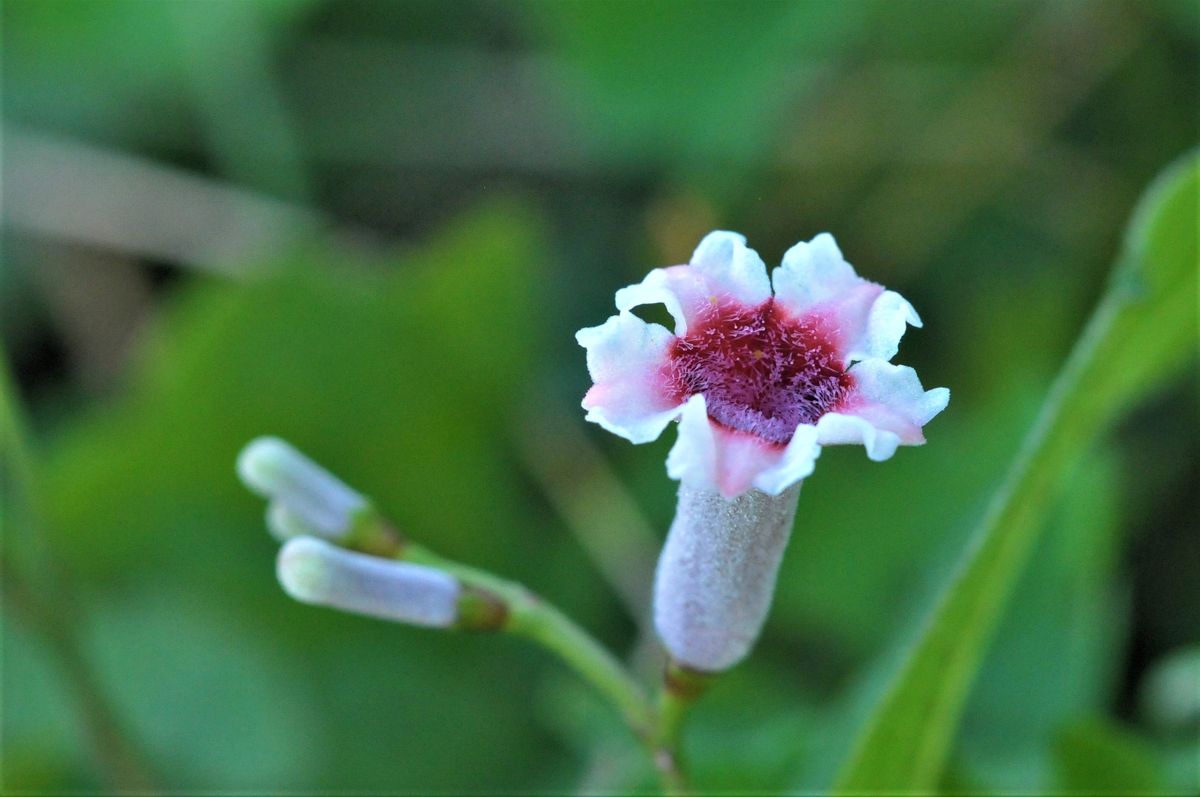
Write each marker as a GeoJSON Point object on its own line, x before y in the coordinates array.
{"type": "Point", "coordinates": [761, 371]}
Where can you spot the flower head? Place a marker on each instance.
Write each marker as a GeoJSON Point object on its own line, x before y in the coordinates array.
{"type": "Point", "coordinates": [759, 379]}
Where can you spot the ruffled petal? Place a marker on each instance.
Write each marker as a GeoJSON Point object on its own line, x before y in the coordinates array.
{"type": "Point", "coordinates": [707, 455]}
{"type": "Point", "coordinates": [732, 269]}
{"type": "Point", "coordinates": [813, 274]}
{"type": "Point", "coordinates": [680, 289]}
{"type": "Point", "coordinates": [890, 315]}
{"type": "Point", "coordinates": [866, 320]}
{"type": "Point", "coordinates": [837, 428]}
{"type": "Point", "coordinates": [625, 356]}
{"type": "Point", "coordinates": [710, 455]}
{"type": "Point", "coordinates": [885, 408]}
{"type": "Point", "coordinates": [797, 463]}
{"type": "Point", "coordinates": [723, 269]}
{"type": "Point", "coordinates": [693, 458]}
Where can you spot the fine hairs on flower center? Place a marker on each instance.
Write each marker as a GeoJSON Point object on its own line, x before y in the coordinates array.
{"type": "Point", "coordinates": [760, 370]}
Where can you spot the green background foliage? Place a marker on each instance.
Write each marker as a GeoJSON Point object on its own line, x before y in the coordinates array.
{"type": "Point", "coordinates": [372, 229]}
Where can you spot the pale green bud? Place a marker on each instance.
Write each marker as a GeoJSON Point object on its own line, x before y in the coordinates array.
{"type": "Point", "coordinates": [314, 571]}
{"type": "Point", "coordinates": [305, 498]}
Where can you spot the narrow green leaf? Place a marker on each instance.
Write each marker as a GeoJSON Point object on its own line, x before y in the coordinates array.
{"type": "Point", "coordinates": [1141, 333]}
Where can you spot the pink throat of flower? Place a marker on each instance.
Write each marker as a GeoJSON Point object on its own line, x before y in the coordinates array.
{"type": "Point", "coordinates": [761, 371]}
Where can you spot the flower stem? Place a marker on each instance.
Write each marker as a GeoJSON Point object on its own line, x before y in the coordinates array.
{"type": "Point", "coordinates": [546, 625]}
{"type": "Point", "coordinates": [529, 616]}
{"type": "Point", "coordinates": [35, 590]}
{"type": "Point", "coordinates": [681, 687]}
{"type": "Point", "coordinates": [497, 604]}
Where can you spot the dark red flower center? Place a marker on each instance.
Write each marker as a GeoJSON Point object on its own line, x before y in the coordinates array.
{"type": "Point", "coordinates": [761, 371]}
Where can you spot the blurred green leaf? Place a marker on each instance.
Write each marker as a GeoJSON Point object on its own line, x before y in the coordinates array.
{"type": "Point", "coordinates": [851, 558]}
{"type": "Point", "coordinates": [80, 67]}
{"type": "Point", "coordinates": [41, 748]}
{"type": "Point", "coordinates": [1096, 757]}
{"type": "Point", "coordinates": [382, 370]}
{"type": "Point", "coordinates": [689, 85]}
{"type": "Point", "coordinates": [1057, 651]}
{"type": "Point", "coordinates": [1143, 330]}
{"type": "Point", "coordinates": [1151, 299]}
{"type": "Point", "coordinates": [211, 700]}
{"type": "Point", "coordinates": [402, 374]}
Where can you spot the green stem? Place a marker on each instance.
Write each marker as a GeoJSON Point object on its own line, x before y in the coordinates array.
{"type": "Point", "coordinates": [681, 688]}
{"type": "Point", "coordinates": [489, 602]}
{"type": "Point", "coordinates": [670, 713]}
{"type": "Point", "coordinates": [549, 627]}
{"type": "Point", "coordinates": [34, 589]}
{"type": "Point", "coordinates": [119, 761]}
{"type": "Point", "coordinates": [14, 434]}
{"type": "Point", "coordinates": [529, 616]}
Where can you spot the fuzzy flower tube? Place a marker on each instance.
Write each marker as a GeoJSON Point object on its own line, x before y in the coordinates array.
{"type": "Point", "coordinates": [760, 372]}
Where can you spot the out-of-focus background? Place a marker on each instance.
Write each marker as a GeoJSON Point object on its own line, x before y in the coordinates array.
{"type": "Point", "coordinates": [372, 228]}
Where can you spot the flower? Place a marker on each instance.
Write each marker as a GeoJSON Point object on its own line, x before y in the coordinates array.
{"type": "Point", "coordinates": [312, 570]}
{"type": "Point", "coordinates": [759, 381]}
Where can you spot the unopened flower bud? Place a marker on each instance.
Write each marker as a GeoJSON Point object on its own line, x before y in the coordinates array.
{"type": "Point", "coordinates": [314, 571]}
{"type": "Point", "coordinates": [284, 524]}
{"type": "Point", "coordinates": [305, 498]}
{"type": "Point", "coordinates": [716, 575]}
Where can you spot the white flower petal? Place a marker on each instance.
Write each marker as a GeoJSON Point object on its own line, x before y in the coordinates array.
{"type": "Point", "coordinates": [723, 270]}
{"type": "Point", "coordinates": [624, 357]}
{"type": "Point", "coordinates": [797, 463]}
{"type": "Point", "coordinates": [813, 273]}
{"type": "Point", "coordinates": [693, 458]}
{"type": "Point", "coordinates": [708, 455]}
{"type": "Point", "coordinates": [889, 316]}
{"type": "Point", "coordinates": [834, 428]}
{"type": "Point", "coordinates": [741, 458]}
{"type": "Point", "coordinates": [732, 268]}
{"type": "Point", "coordinates": [670, 287]}
{"type": "Point", "coordinates": [886, 408]}
{"type": "Point", "coordinates": [816, 279]}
